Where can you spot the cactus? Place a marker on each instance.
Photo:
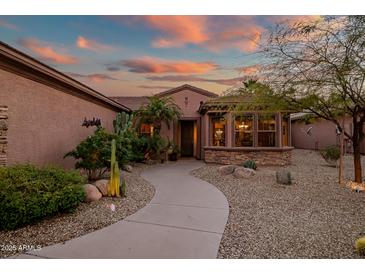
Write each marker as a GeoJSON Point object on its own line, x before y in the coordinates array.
{"type": "Point", "coordinates": [250, 164]}
{"type": "Point", "coordinates": [360, 246]}
{"type": "Point", "coordinates": [123, 121]}
{"type": "Point", "coordinates": [114, 183]}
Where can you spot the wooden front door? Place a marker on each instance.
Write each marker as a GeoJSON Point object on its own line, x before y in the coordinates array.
{"type": "Point", "coordinates": [187, 138]}
{"type": "Point", "coordinates": [285, 134]}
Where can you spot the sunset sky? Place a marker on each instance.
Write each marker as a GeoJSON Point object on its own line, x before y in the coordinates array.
{"type": "Point", "coordinates": [143, 55]}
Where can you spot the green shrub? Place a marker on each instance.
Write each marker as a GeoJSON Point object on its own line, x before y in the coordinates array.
{"type": "Point", "coordinates": [331, 153]}
{"type": "Point", "coordinates": [250, 164]}
{"type": "Point", "coordinates": [156, 145]}
{"type": "Point", "coordinates": [93, 154]}
{"type": "Point", "coordinates": [139, 149]}
{"type": "Point", "coordinates": [28, 194]}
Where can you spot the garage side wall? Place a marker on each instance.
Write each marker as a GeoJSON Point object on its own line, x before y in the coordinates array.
{"type": "Point", "coordinates": [43, 122]}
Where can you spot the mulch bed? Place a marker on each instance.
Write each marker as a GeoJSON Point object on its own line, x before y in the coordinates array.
{"type": "Point", "coordinates": [315, 217]}
{"type": "Point", "coordinates": [86, 218]}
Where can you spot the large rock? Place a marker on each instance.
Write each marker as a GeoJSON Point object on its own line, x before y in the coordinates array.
{"type": "Point", "coordinates": [283, 177]}
{"type": "Point", "coordinates": [242, 172]}
{"type": "Point", "coordinates": [127, 168]}
{"type": "Point", "coordinates": [225, 170]}
{"type": "Point", "coordinates": [92, 193]}
{"type": "Point", "coordinates": [102, 186]}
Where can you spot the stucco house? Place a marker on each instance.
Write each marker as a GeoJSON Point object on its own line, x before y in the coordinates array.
{"type": "Point", "coordinates": [210, 128]}
{"type": "Point", "coordinates": [42, 110]}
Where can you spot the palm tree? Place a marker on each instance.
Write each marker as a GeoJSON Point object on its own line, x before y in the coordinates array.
{"type": "Point", "coordinates": [159, 110]}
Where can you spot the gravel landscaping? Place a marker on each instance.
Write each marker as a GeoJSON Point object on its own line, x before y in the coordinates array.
{"type": "Point", "coordinates": [315, 217]}
{"type": "Point", "coordinates": [87, 218]}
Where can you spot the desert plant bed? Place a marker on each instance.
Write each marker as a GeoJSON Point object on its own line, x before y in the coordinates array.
{"type": "Point", "coordinates": [315, 217]}
{"type": "Point", "coordinates": [86, 218]}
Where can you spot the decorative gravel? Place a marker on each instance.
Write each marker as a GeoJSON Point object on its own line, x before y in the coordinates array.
{"type": "Point", "coordinates": [87, 218]}
{"type": "Point", "coordinates": [315, 217]}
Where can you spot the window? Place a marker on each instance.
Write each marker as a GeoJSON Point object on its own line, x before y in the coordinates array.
{"type": "Point", "coordinates": [218, 131]}
{"type": "Point", "coordinates": [243, 127]}
{"type": "Point", "coordinates": [146, 130]}
{"type": "Point", "coordinates": [266, 130]}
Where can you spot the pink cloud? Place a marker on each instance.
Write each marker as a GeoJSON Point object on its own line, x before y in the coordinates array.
{"type": "Point", "coordinates": [249, 70]}
{"type": "Point", "coordinates": [154, 65]}
{"type": "Point", "coordinates": [47, 52]}
{"type": "Point", "coordinates": [8, 25]}
{"type": "Point", "coordinates": [193, 78]}
{"type": "Point", "coordinates": [96, 77]}
{"type": "Point", "coordinates": [154, 87]}
{"type": "Point", "coordinates": [84, 43]}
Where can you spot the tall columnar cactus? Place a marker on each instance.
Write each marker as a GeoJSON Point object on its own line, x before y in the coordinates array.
{"type": "Point", "coordinates": [114, 183]}
{"type": "Point", "coordinates": [122, 122]}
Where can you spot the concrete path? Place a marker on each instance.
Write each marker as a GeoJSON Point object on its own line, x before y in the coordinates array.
{"type": "Point", "coordinates": [185, 219]}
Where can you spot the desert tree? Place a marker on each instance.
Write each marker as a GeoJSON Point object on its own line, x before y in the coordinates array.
{"type": "Point", "coordinates": [319, 67]}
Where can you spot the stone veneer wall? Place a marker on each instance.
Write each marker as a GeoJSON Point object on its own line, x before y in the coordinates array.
{"type": "Point", "coordinates": [3, 135]}
{"type": "Point", "coordinates": [237, 157]}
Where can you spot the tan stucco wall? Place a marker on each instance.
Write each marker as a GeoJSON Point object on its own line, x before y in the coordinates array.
{"type": "Point", "coordinates": [45, 123]}
{"type": "Point", "coordinates": [190, 110]}
{"type": "Point", "coordinates": [323, 133]}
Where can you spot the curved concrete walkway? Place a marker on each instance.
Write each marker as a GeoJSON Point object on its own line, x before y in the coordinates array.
{"type": "Point", "coordinates": [185, 219]}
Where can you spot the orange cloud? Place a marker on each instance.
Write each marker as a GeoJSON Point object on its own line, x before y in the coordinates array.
{"type": "Point", "coordinates": [154, 65]}
{"type": "Point", "coordinates": [246, 40]}
{"type": "Point", "coordinates": [47, 52]}
{"type": "Point", "coordinates": [211, 32]}
{"type": "Point", "coordinates": [180, 30]}
{"type": "Point", "coordinates": [84, 43]}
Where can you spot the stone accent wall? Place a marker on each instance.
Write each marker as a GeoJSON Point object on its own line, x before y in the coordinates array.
{"type": "Point", "coordinates": [237, 157]}
{"type": "Point", "coordinates": [3, 135]}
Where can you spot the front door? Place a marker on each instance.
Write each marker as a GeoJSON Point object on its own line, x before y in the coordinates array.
{"type": "Point", "coordinates": [187, 138]}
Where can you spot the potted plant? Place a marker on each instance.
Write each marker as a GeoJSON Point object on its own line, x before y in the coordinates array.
{"type": "Point", "coordinates": [175, 150]}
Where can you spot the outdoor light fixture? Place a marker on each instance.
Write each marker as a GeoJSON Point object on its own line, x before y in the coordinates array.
{"type": "Point", "coordinates": [243, 126]}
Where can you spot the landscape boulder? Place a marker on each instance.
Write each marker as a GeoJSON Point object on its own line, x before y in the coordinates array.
{"type": "Point", "coordinates": [127, 168]}
{"type": "Point", "coordinates": [92, 193]}
{"type": "Point", "coordinates": [225, 170]}
{"type": "Point", "coordinates": [283, 177]}
{"type": "Point", "coordinates": [102, 186]}
{"type": "Point", "coordinates": [242, 172]}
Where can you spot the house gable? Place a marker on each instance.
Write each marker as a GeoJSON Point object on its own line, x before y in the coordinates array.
{"type": "Point", "coordinates": [187, 87]}
{"type": "Point", "coordinates": [188, 98]}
